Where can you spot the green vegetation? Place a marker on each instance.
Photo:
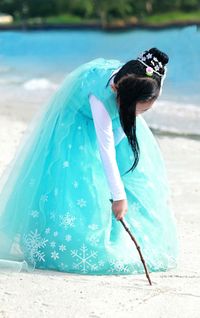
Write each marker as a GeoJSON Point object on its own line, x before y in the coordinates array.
{"type": "Point", "coordinates": [175, 16]}
{"type": "Point", "coordinates": [64, 18]}
{"type": "Point", "coordinates": [104, 12]}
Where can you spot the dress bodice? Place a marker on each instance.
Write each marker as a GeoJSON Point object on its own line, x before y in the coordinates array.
{"type": "Point", "coordinates": [95, 83]}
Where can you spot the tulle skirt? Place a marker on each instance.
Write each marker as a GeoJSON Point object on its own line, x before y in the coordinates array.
{"type": "Point", "coordinates": [55, 209]}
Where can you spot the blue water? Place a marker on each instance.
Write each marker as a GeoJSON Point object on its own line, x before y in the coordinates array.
{"type": "Point", "coordinates": [54, 53]}
{"type": "Point", "coordinates": [35, 60]}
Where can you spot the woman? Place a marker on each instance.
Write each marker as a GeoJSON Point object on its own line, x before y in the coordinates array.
{"type": "Point", "coordinates": [91, 145]}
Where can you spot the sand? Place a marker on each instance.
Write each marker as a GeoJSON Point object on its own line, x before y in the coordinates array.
{"type": "Point", "coordinates": [173, 294]}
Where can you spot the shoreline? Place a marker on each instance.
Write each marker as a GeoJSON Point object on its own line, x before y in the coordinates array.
{"type": "Point", "coordinates": [22, 108]}
{"type": "Point", "coordinates": [24, 116]}
{"type": "Point", "coordinates": [98, 26]}
{"type": "Point", "coordinates": [172, 134]}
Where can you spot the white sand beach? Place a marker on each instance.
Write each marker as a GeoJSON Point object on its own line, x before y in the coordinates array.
{"type": "Point", "coordinates": [174, 294]}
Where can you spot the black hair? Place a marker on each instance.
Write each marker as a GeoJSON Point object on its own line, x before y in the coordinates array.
{"type": "Point", "coordinates": [133, 85]}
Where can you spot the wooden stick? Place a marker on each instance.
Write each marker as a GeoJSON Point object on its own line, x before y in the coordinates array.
{"type": "Point", "coordinates": [138, 248]}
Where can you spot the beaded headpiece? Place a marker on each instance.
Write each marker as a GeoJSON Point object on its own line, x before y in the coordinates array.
{"type": "Point", "coordinates": [150, 59]}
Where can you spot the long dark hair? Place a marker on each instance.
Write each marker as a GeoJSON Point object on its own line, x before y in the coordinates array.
{"type": "Point", "coordinates": [133, 85]}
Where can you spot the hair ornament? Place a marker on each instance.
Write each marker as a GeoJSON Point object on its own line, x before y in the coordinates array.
{"type": "Point", "coordinates": [142, 55]}
{"type": "Point", "coordinates": [147, 66]}
{"type": "Point", "coordinates": [143, 58]}
{"type": "Point", "coordinates": [149, 71]}
{"type": "Point", "coordinates": [149, 56]}
{"type": "Point", "coordinates": [157, 68]}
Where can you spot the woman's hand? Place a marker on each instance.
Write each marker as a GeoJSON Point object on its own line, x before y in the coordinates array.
{"type": "Point", "coordinates": [120, 208]}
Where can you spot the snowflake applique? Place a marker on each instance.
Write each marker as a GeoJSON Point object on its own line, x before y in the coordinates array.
{"type": "Point", "coordinates": [65, 164]}
{"type": "Point", "coordinates": [55, 233]}
{"type": "Point", "coordinates": [54, 255]}
{"type": "Point", "coordinates": [68, 237]}
{"type": "Point", "coordinates": [44, 197]}
{"type": "Point", "coordinates": [69, 146]}
{"type": "Point", "coordinates": [67, 220]}
{"type": "Point", "coordinates": [53, 244]}
{"type": "Point", "coordinates": [52, 215]}
{"type": "Point", "coordinates": [84, 259]}
{"type": "Point", "coordinates": [118, 266]}
{"type": "Point", "coordinates": [157, 68]}
{"type": "Point", "coordinates": [101, 263]}
{"type": "Point", "coordinates": [81, 202]}
{"type": "Point", "coordinates": [94, 239]}
{"type": "Point", "coordinates": [34, 243]}
{"type": "Point", "coordinates": [63, 266]}
{"type": "Point", "coordinates": [93, 227]}
{"type": "Point", "coordinates": [62, 247]}
{"type": "Point", "coordinates": [34, 213]}
{"type": "Point", "coordinates": [47, 231]}
{"type": "Point", "coordinates": [75, 184]}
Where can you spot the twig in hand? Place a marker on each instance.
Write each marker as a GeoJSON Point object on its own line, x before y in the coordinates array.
{"type": "Point", "coordinates": [138, 248]}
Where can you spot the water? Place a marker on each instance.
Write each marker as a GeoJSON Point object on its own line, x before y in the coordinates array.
{"type": "Point", "coordinates": [37, 61]}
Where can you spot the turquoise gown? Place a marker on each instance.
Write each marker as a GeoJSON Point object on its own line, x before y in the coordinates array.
{"type": "Point", "coordinates": [55, 209]}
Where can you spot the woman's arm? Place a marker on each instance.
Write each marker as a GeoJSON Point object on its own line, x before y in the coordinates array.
{"type": "Point", "coordinates": [106, 142]}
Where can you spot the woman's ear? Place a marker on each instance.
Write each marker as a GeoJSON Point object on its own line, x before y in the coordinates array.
{"type": "Point", "coordinates": [114, 87]}
{"type": "Point", "coordinates": [162, 81]}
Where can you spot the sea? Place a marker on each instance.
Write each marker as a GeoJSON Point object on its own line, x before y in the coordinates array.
{"type": "Point", "coordinates": [34, 63]}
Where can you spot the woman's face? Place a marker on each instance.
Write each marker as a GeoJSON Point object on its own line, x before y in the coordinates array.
{"type": "Point", "coordinates": [141, 107]}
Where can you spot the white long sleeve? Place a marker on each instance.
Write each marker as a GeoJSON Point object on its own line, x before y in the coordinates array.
{"type": "Point", "coordinates": [106, 142]}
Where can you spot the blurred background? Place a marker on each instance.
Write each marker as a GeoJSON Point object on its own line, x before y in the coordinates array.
{"type": "Point", "coordinates": [42, 41]}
